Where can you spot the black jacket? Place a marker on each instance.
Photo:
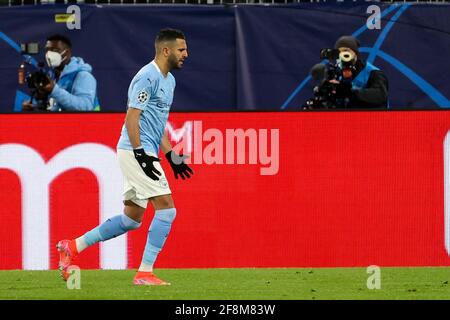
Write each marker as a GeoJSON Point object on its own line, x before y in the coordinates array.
{"type": "Point", "coordinates": [375, 95]}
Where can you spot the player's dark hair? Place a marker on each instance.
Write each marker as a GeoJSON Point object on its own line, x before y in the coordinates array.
{"type": "Point", "coordinates": [168, 34]}
{"type": "Point", "coordinates": [60, 37]}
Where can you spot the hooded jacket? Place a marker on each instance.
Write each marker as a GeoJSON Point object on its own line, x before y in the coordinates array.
{"type": "Point", "coordinates": [76, 89]}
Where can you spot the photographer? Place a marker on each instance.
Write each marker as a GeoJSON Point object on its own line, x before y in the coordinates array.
{"type": "Point", "coordinates": [369, 85]}
{"type": "Point", "coordinates": [346, 81]}
{"type": "Point", "coordinates": [73, 87]}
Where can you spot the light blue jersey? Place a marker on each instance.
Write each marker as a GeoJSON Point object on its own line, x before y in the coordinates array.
{"type": "Point", "coordinates": [150, 92]}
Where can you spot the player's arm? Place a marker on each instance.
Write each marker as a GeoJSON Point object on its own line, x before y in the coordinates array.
{"type": "Point", "coordinates": [138, 99]}
{"type": "Point", "coordinates": [145, 161]}
{"type": "Point", "coordinates": [176, 161]}
{"type": "Point", "coordinates": [166, 146]}
{"type": "Point", "coordinates": [132, 125]}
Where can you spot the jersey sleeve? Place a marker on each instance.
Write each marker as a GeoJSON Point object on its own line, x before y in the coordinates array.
{"type": "Point", "coordinates": [140, 93]}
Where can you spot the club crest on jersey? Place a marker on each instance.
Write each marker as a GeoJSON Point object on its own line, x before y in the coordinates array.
{"type": "Point", "coordinates": [163, 183]}
{"type": "Point", "coordinates": [142, 97]}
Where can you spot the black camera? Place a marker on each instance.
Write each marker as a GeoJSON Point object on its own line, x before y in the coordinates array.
{"type": "Point", "coordinates": [37, 79]}
{"type": "Point", "coordinates": [34, 79]}
{"type": "Point", "coordinates": [334, 78]}
{"type": "Point", "coordinates": [330, 54]}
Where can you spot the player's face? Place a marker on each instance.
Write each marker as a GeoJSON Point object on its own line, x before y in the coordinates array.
{"type": "Point", "coordinates": [178, 53]}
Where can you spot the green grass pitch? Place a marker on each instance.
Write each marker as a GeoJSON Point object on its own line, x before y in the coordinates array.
{"type": "Point", "coordinates": [234, 284]}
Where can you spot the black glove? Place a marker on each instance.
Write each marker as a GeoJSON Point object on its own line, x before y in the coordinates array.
{"type": "Point", "coordinates": [146, 163]}
{"type": "Point", "coordinates": [178, 166]}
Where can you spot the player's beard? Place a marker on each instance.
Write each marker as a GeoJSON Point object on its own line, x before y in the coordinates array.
{"type": "Point", "coordinates": [173, 62]}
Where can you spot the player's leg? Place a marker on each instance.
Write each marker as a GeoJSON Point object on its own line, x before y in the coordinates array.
{"type": "Point", "coordinates": [159, 230]}
{"type": "Point", "coordinates": [111, 228]}
{"type": "Point", "coordinates": [130, 219]}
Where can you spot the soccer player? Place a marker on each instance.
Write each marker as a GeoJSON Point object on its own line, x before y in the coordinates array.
{"type": "Point", "coordinates": [150, 96]}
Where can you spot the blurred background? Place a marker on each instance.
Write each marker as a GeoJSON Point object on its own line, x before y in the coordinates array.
{"type": "Point", "coordinates": [255, 55]}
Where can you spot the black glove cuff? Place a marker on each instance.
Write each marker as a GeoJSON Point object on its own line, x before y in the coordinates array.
{"type": "Point", "coordinates": [138, 153]}
{"type": "Point", "coordinates": [169, 156]}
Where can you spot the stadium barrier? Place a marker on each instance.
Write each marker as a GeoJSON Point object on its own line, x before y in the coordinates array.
{"type": "Point", "coordinates": [325, 189]}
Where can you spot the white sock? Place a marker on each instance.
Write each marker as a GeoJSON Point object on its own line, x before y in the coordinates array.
{"type": "Point", "coordinates": [145, 267]}
{"type": "Point", "coordinates": [81, 244]}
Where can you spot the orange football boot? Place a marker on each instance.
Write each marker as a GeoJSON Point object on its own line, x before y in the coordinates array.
{"type": "Point", "coordinates": [67, 252]}
{"type": "Point", "coordinates": [148, 279]}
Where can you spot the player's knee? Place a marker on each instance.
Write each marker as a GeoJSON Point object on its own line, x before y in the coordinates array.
{"type": "Point", "coordinates": [130, 224]}
{"type": "Point", "coordinates": [135, 212]}
{"type": "Point", "coordinates": [167, 203]}
{"type": "Point", "coordinates": [163, 202]}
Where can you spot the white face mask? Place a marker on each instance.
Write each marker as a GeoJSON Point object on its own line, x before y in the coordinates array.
{"type": "Point", "coordinates": [346, 56]}
{"type": "Point", "coordinates": [54, 59]}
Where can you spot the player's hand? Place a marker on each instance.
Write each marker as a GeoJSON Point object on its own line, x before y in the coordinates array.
{"type": "Point", "coordinates": [178, 166]}
{"type": "Point", "coordinates": [146, 163]}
